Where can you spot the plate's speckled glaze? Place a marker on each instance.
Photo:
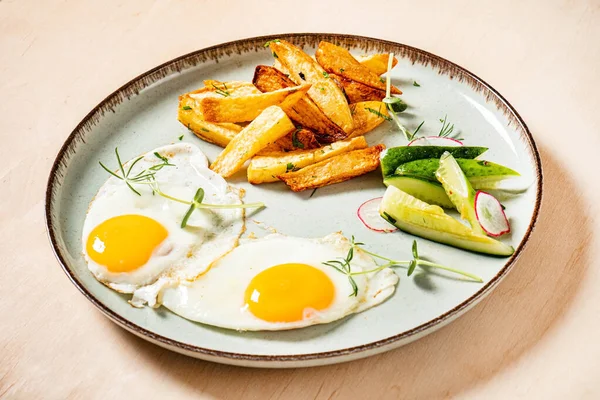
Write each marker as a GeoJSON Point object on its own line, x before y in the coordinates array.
{"type": "Point", "coordinates": [142, 115]}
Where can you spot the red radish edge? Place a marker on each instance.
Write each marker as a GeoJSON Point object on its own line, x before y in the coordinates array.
{"type": "Point", "coordinates": [499, 209]}
{"type": "Point", "coordinates": [368, 213]}
{"type": "Point", "coordinates": [454, 142]}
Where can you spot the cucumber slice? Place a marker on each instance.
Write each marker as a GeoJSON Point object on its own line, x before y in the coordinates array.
{"type": "Point", "coordinates": [416, 217]}
{"type": "Point", "coordinates": [393, 157]}
{"type": "Point", "coordinates": [480, 171]}
{"type": "Point", "coordinates": [430, 192]}
{"type": "Point", "coordinates": [459, 190]}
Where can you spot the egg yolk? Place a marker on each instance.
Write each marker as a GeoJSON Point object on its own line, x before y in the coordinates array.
{"type": "Point", "coordinates": [285, 292]}
{"type": "Point", "coordinates": [125, 243]}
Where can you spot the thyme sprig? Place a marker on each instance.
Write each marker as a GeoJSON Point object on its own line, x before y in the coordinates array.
{"type": "Point", "coordinates": [148, 177]}
{"type": "Point", "coordinates": [343, 266]}
{"type": "Point", "coordinates": [141, 177]}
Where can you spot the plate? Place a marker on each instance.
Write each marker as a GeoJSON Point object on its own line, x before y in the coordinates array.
{"type": "Point", "coordinates": [141, 115]}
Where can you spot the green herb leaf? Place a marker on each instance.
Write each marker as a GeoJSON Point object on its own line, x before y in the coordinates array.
{"type": "Point", "coordinates": [416, 84]}
{"type": "Point", "coordinates": [295, 142]}
{"type": "Point", "coordinates": [272, 41]}
{"type": "Point", "coordinates": [181, 137]}
{"type": "Point", "coordinates": [313, 193]}
{"type": "Point", "coordinates": [447, 128]}
{"type": "Point", "coordinates": [342, 70]}
{"type": "Point", "coordinates": [415, 252]}
{"type": "Point", "coordinates": [163, 158]}
{"type": "Point", "coordinates": [275, 55]}
{"type": "Point", "coordinates": [411, 267]}
{"type": "Point", "coordinates": [396, 104]}
{"type": "Point", "coordinates": [223, 92]}
{"type": "Point", "coordinates": [186, 108]}
{"type": "Point", "coordinates": [418, 128]}
{"type": "Point", "coordinates": [290, 167]}
{"type": "Point", "coordinates": [325, 74]}
{"type": "Point", "coordinates": [378, 113]}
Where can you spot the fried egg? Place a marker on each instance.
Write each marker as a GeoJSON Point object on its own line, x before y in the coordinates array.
{"type": "Point", "coordinates": [280, 282]}
{"type": "Point", "coordinates": [135, 244]}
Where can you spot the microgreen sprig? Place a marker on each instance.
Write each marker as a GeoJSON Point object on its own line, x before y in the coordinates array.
{"type": "Point", "coordinates": [148, 177]}
{"type": "Point", "coordinates": [394, 104]}
{"type": "Point", "coordinates": [342, 265]}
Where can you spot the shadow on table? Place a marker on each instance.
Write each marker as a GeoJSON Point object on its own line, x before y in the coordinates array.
{"type": "Point", "coordinates": [493, 335]}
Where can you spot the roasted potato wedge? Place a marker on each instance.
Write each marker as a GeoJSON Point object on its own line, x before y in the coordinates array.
{"type": "Point", "coordinates": [299, 139]}
{"type": "Point", "coordinates": [305, 112]}
{"type": "Point", "coordinates": [189, 115]}
{"type": "Point", "coordinates": [377, 63]}
{"type": "Point", "coordinates": [335, 169]}
{"type": "Point", "coordinates": [324, 92]}
{"type": "Point", "coordinates": [368, 115]}
{"type": "Point", "coordinates": [228, 108]}
{"type": "Point", "coordinates": [266, 168]}
{"type": "Point", "coordinates": [271, 125]}
{"type": "Point", "coordinates": [337, 60]}
{"type": "Point", "coordinates": [357, 92]}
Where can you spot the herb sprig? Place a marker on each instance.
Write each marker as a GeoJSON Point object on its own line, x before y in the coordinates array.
{"type": "Point", "coordinates": [148, 177]}
{"type": "Point", "coordinates": [223, 92]}
{"type": "Point", "coordinates": [343, 266]}
{"type": "Point", "coordinates": [394, 104]}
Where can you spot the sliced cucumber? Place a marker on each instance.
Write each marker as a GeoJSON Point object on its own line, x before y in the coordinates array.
{"type": "Point", "coordinates": [483, 172]}
{"type": "Point", "coordinates": [421, 219]}
{"type": "Point", "coordinates": [430, 192]}
{"type": "Point", "coordinates": [393, 157]}
{"type": "Point", "coordinates": [459, 190]}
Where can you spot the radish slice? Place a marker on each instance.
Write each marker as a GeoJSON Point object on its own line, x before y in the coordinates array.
{"type": "Point", "coordinates": [490, 214]}
{"type": "Point", "coordinates": [435, 141]}
{"type": "Point", "coordinates": [368, 213]}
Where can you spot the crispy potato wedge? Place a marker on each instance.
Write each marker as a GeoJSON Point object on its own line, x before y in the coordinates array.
{"type": "Point", "coordinates": [271, 125]}
{"type": "Point", "coordinates": [337, 60]}
{"type": "Point", "coordinates": [222, 133]}
{"type": "Point", "coordinates": [324, 92]}
{"type": "Point", "coordinates": [357, 92]}
{"type": "Point", "coordinates": [377, 63]}
{"type": "Point", "coordinates": [266, 168]}
{"type": "Point", "coordinates": [305, 112]}
{"type": "Point", "coordinates": [248, 107]}
{"type": "Point", "coordinates": [334, 170]}
{"type": "Point", "coordinates": [190, 116]}
{"type": "Point", "coordinates": [299, 139]}
{"type": "Point", "coordinates": [368, 115]}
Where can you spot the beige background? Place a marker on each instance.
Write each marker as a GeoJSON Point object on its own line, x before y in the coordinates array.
{"type": "Point", "coordinates": [536, 336]}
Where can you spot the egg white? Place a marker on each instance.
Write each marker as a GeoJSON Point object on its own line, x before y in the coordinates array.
{"type": "Point", "coordinates": [217, 297]}
{"type": "Point", "coordinates": [186, 252]}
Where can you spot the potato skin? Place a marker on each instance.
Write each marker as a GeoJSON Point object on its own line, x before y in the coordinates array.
{"type": "Point", "coordinates": [356, 91]}
{"type": "Point", "coordinates": [324, 92]}
{"type": "Point", "coordinates": [337, 60]}
{"type": "Point", "coordinates": [305, 112]}
{"type": "Point", "coordinates": [334, 170]}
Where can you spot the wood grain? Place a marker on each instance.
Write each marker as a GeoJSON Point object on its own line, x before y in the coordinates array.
{"type": "Point", "coordinates": [535, 337]}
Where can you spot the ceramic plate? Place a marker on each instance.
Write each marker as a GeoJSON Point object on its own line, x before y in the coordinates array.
{"type": "Point", "coordinates": [141, 116]}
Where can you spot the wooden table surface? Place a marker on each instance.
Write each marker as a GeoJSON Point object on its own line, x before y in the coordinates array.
{"type": "Point", "coordinates": [536, 337]}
